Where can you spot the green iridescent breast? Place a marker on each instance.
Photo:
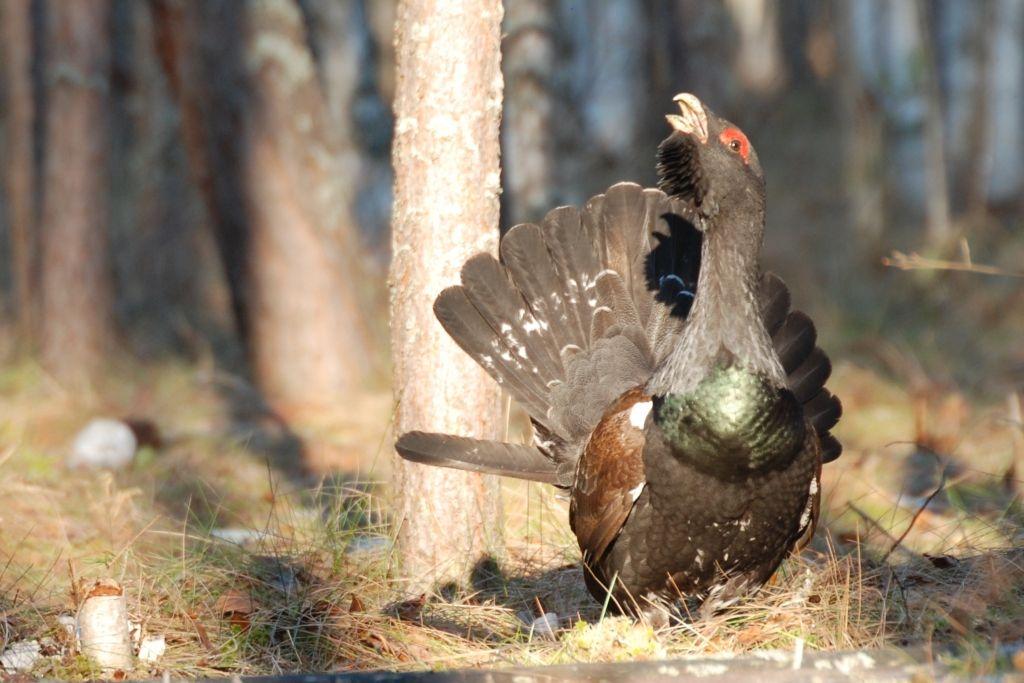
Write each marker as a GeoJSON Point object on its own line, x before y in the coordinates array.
{"type": "Point", "coordinates": [734, 422]}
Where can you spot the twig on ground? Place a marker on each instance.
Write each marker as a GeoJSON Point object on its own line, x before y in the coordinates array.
{"type": "Point", "coordinates": [920, 510]}
{"type": "Point", "coordinates": [914, 261]}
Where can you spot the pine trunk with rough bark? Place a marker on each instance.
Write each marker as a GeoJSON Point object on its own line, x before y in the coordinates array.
{"type": "Point", "coordinates": [447, 181]}
{"type": "Point", "coordinates": [75, 274]}
{"type": "Point", "coordinates": [19, 162]}
{"type": "Point", "coordinates": [275, 176]}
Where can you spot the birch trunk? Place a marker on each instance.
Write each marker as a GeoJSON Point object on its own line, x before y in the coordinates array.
{"type": "Point", "coordinates": [447, 181]}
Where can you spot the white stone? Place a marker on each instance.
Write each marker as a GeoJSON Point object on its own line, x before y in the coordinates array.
{"type": "Point", "coordinates": [152, 648]}
{"type": "Point", "coordinates": [20, 657]}
{"type": "Point", "coordinates": [68, 622]}
{"type": "Point", "coordinates": [103, 444]}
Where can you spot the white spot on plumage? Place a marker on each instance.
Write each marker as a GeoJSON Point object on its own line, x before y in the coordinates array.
{"type": "Point", "coordinates": [805, 518]}
{"type": "Point", "coordinates": [532, 325]}
{"type": "Point", "coordinates": [505, 328]}
{"type": "Point", "coordinates": [638, 413]}
{"type": "Point", "coordinates": [637, 490]}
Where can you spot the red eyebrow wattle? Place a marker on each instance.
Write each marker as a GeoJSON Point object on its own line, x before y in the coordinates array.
{"type": "Point", "coordinates": [729, 135]}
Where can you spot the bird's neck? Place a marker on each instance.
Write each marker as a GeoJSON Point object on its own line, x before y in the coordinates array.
{"type": "Point", "coordinates": [724, 323]}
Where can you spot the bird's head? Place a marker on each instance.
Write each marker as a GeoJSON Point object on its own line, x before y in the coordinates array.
{"type": "Point", "coordinates": [707, 161]}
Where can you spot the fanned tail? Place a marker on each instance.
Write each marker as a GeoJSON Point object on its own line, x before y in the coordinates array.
{"type": "Point", "coordinates": [578, 310]}
{"type": "Point", "coordinates": [807, 367]}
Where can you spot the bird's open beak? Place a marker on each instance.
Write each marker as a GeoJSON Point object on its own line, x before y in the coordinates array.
{"type": "Point", "coordinates": [693, 120]}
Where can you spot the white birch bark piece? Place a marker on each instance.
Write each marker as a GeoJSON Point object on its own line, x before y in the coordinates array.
{"type": "Point", "coordinates": [103, 627]}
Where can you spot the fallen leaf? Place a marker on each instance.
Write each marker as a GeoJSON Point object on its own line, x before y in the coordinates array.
{"type": "Point", "coordinates": [356, 605]}
{"type": "Point", "coordinates": [235, 602]}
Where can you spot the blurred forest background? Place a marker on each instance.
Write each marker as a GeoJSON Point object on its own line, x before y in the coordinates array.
{"type": "Point", "coordinates": [189, 179]}
{"type": "Point", "coordinates": [194, 235]}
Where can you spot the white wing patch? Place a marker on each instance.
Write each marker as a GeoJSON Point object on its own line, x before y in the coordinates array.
{"type": "Point", "coordinates": [805, 518]}
{"type": "Point", "coordinates": [637, 490]}
{"type": "Point", "coordinates": [638, 413]}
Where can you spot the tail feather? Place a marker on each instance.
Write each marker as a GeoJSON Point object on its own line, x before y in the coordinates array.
{"type": "Point", "coordinates": [576, 262]}
{"type": "Point", "coordinates": [604, 320]}
{"type": "Point", "coordinates": [475, 455]}
{"type": "Point", "coordinates": [471, 331]}
{"type": "Point", "coordinates": [810, 376]}
{"type": "Point", "coordinates": [774, 302]}
{"type": "Point", "coordinates": [795, 340]}
{"type": "Point", "coordinates": [612, 289]}
{"type": "Point", "coordinates": [807, 366]}
{"type": "Point", "coordinates": [496, 297]}
{"type": "Point", "coordinates": [626, 225]}
{"type": "Point", "coordinates": [525, 253]}
{"type": "Point", "coordinates": [824, 410]}
{"type": "Point", "coordinates": [830, 447]}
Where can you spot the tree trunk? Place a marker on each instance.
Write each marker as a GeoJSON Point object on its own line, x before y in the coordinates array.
{"type": "Point", "coordinates": [940, 226]}
{"type": "Point", "coordinates": [76, 282]}
{"type": "Point", "coordinates": [19, 162]}
{"type": "Point", "coordinates": [1005, 113]}
{"type": "Point", "coordinates": [528, 60]}
{"type": "Point", "coordinates": [380, 16]}
{"type": "Point", "coordinates": [759, 64]}
{"type": "Point", "coordinates": [447, 180]}
{"type": "Point", "coordinates": [861, 123]}
{"type": "Point", "coordinates": [274, 173]}
{"type": "Point", "coordinates": [978, 138]}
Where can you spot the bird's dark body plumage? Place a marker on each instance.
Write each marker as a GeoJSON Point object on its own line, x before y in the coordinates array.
{"type": "Point", "coordinates": [672, 391]}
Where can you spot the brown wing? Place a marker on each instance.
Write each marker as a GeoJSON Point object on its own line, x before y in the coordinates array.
{"type": "Point", "coordinates": [610, 475]}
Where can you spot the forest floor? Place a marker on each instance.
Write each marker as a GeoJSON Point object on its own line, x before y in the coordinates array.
{"type": "Point", "coordinates": [245, 564]}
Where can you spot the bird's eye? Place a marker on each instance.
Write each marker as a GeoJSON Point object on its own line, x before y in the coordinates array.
{"type": "Point", "coordinates": [736, 141]}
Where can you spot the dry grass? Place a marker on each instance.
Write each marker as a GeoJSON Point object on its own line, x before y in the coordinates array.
{"type": "Point", "coordinates": [312, 587]}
